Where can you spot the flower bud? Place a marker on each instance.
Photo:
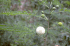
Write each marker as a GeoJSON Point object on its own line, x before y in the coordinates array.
{"type": "Point", "coordinates": [42, 15]}
{"type": "Point", "coordinates": [60, 23]}
{"type": "Point", "coordinates": [42, 12]}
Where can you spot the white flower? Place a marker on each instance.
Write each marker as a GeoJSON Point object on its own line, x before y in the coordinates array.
{"type": "Point", "coordinates": [54, 8]}
{"type": "Point", "coordinates": [40, 30]}
{"type": "Point", "coordinates": [57, 5]}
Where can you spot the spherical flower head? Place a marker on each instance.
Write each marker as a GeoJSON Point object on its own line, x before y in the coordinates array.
{"type": "Point", "coordinates": [60, 23]}
{"type": "Point", "coordinates": [42, 15]}
{"type": "Point", "coordinates": [57, 5]}
{"type": "Point", "coordinates": [54, 8]}
{"type": "Point", "coordinates": [56, 45]}
{"type": "Point", "coordinates": [40, 30]}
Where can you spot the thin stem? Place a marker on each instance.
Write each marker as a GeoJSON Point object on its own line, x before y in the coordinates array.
{"type": "Point", "coordinates": [46, 34]}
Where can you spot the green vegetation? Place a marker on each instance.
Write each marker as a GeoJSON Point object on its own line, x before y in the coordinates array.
{"type": "Point", "coordinates": [20, 18]}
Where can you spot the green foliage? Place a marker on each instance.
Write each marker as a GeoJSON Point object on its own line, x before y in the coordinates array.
{"type": "Point", "coordinates": [18, 28]}
{"type": "Point", "coordinates": [21, 33]}
{"type": "Point", "coordinates": [4, 5]}
{"type": "Point", "coordinates": [67, 10]}
{"type": "Point", "coordinates": [15, 13]}
{"type": "Point", "coordinates": [56, 2]}
{"type": "Point", "coordinates": [67, 2]}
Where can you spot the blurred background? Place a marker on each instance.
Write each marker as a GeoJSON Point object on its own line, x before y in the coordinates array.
{"type": "Point", "coordinates": [20, 18]}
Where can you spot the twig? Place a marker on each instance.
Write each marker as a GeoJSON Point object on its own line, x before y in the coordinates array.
{"type": "Point", "coordinates": [46, 34]}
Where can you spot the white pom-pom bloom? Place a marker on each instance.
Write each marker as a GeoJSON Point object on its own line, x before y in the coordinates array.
{"type": "Point", "coordinates": [57, 5]}
{"type": "Point", "coordinates": [40, 30]}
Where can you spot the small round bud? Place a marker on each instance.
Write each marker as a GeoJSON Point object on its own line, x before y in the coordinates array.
{"type": "Point", "coordinates": [40, 30]}
{"type": "Point", "coordinates": [42, 15]}
{"type": "Point", "coordinates": [54, 8]}
{"type": "Point", "coordinates": [60, 23]}
{"type": "Point", "coordinates": [42, 12]}
{"type": "Point", "coordinates": [57, 6]}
